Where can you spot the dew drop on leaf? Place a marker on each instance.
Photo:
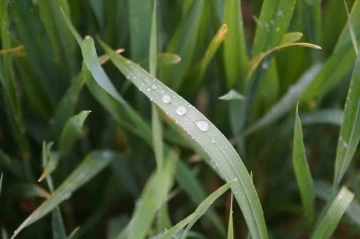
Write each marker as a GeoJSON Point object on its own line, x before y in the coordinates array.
{"type": "Point", "coordinates": [202, 125]}
{"type": "Point", "coordinates": [181, 110]}
{"type": "Point", "coordinates": [166, 99]}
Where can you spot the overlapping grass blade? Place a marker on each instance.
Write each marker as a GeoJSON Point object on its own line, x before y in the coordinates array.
{"type": "Point", "coordinates": [350, 128]}
{"type": "Point", "coordinates": [230, 234]}
{"type": "Point", "coordinates": [90, 166]}
{"type": "Point", "coordinates": [225, 161]}
{"type": "Point", "coordinates": [139, 27]}
{"type": "Point", "coordinates": [323, 190]}
{"type": "Point", "coordinates": [1, 181]}
{"type": "Point", "coordinates": [183, 43]}
{"type": "Point", "coordinates": [302, 171]}
{"type": "Point", "coordinates": [323, 116]}
{"type": "Point", "coordinates": [333, 215]}
{"type": "Point", "coordinates": [274, 19]}
{"type": "Point", "coordinates": [287, 101]}
{"type": "Point", "coordinates": [66, 107]}
{"type": "Point", "coordinates": [235, 55]}
{"type": "Point", "coordinates": [352, 20]}
{"type": "Point", "coordinates": [232, 95]}
{"type": "Point", "coordinates": [351, 30]}
{"type": "Point", "coordinates": [72, 131]}
{"type": "Point", "coordinates": [58, 32]}
{"type": "Point", "coordinates": [151, 200]}
{"type": "Point", "coordinates": [200, 210]}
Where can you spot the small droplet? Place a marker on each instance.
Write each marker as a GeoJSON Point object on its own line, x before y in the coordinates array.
{"type": "Point", "coordinates": [166, 99]}
{"type": "Point", "coordinates": [202, 125]}
{"type": "Point", "coordinates": [154, 87]}
{"type": "Point", "coordinates": [280, 13]}
{"type": "Point", "coordinates": [213, 141]}
{"type": "Point", "coordinates": [265, 65]}
{"type": "Point", "coordinates": [181, 110]}
{"type": "Point", "coordinates": [148, 89]}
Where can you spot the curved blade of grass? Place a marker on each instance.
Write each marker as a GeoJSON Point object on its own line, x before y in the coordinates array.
{"type": "Point", "coordinates": [274, 19]}
{"type": "Point", "coordinates": [258, 59]}
{"type": "Point", "coordinates": [13, 50]}
{"type": "Point", "coordinates": [287, 101]}
{"type": "Point", "coordinates": [235, 54]}
{"type": "Point", "coordinates": [194, 79]}
{"type": "Point", "coordinates": [302, 171]}
{"type": "Point", "coordinates": [333, 215]}
{"type": "Point", "coordinates": [183, 43]}
{"type": "Point", "coordinates": [351, 30]}
{"type": "Point", "coordinates": [225, 160]}
{"type": "Point", "coordinates": [73, 233]}
{"type": "Point", "coordinates": [151, 200]}
{"type": "Point", "coordinates": [323, 190]}
{"type": "Point", "coordinates": [66, 107]}
{"type": "Point", "coordinates": [351, 23]}
{"type": "Point", "coordinates": [323, 116]}
{"type": "Point", "coordinates": [333, 70]}
{"type": "Point", "coordinates": [72, 131]}
{"type": "Point", "coordinates": [200, 210]}
{"type": "Point", "coordinates": [187, 181]}
{"type": "Point", "coordinates": [350, 128]}
{"type": "Point", "coordinates": [230, 234]}
{"type": "Point", "coordinates": [90, 166]}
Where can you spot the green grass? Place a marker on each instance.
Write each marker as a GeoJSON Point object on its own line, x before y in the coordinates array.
{"type": "Point", "coordinates": [192, 131]}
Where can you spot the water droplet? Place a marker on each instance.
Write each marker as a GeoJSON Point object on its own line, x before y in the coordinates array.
{"type": "Point", "coordinates": [148, 89]}
{"type": "Point", "coordinates": [87, 37]}
{"type": "Point", "coordinates": [166, 99]}
{"type": "Point", "coordinates": [181, 110]}
{"type": "Point", "coordinates": [202, 125]}
{"type": "Point", "coordinates": [265, 65]}
{"type": "Point", "coordinates": [280, 13]}
{"type": "Point", "coordinates": [154, 87]}
{"type": "Point", "coordinates": [213, 141]}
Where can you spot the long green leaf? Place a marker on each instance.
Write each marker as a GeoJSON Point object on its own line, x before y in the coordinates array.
{"type": "Point", "coordinates": [333, 215]}
{"type": "Point", "coordinates": [91, 165]}
{"type": "Point", "coordinates": [72, 131]}
{"type": "Point", "coordinates": [235, 55]}
{"type": "Point", "coordinates": [302, 171]}
{"type": "Point", "coordinates": [323, 116]}
{"type": "Point", "coordinates": [224, 159]}
{"type": "Point", "coordinates": [200, 210]}
{"type": "Point", "coordinates": [183, 43]}
{"type": "Point", "coordinates": [287, 101]}
{"type": "Point", "coordinates": [350, 128]}
{"type": "Point", "coordinates": [151, 200]}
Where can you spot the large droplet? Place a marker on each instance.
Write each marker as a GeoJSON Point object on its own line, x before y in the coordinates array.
{"type": "Point", "coordinates": [166, 99]}
{"type": "Point", "coordinates": [181, 110]}
{"type": "Point", "coordinates": [202, 125]}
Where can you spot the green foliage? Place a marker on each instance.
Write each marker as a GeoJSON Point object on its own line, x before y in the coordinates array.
{"type": "Point", "coordinates": [164, 134]}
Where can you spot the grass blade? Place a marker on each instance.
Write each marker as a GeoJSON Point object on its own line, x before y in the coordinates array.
{"type": "Point", "coordinates": [183, 43]}
{"type": "Point", "coordinates": [333, 215]}
{"type": "Point", "coordinates": [200, 210]}
{"type": "Point", "coordinates": [350, 128]}
{"type": "Point", "coordinates": [1, 182]}
{"type": "Point", "coordinates": [302, 171]}
{"type": "Point", "coordinates": [351, 30]}
{"type": "Point", "coordinates": [235, 55]}
{"type": "Point", "coordinates": [151, 200]}
{"type": "Point", "coordinates": [323, 190]}
{"type": "Point", "coordinates": [323, 116]}
{"type": "Point", "coordinates": [72, 131]}
{"type": "Point", "coordinates": [274, 19]}
{"type": "Point", "coordinates": [225, 161]}
{"type": "Point", "coordinates": [230, 234]}
{"type": "Point", "coordinates": [66, 107]}
{"type": "Point", "coordinates": [91, 165]}
{"type": "Point", "coordinates": [232, 95]}
{"type": "Point", "coordinates": [287, 101]}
